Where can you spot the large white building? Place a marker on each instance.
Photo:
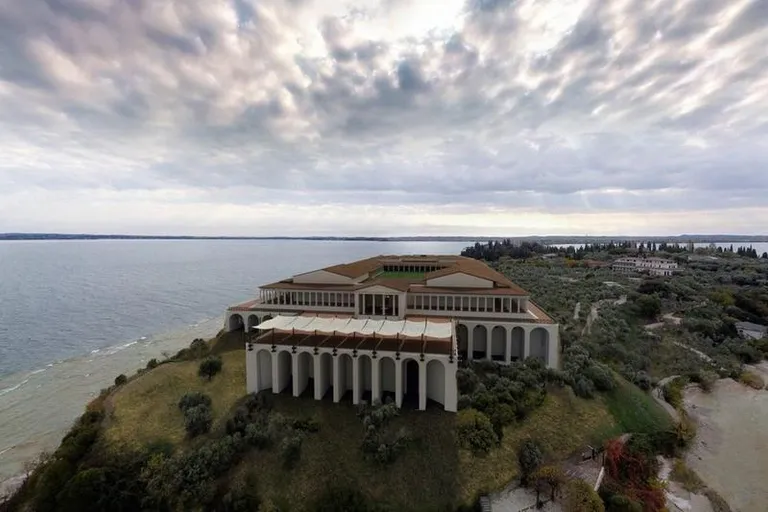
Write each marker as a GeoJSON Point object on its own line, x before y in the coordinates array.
{"type": "Point", "coordinates": [651, 265]}
{"type": "Point", "coordinates": [388, 325]}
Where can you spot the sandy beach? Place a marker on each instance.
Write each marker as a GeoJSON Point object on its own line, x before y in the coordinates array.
{"type": "Point", "coordinates": [731, 449]}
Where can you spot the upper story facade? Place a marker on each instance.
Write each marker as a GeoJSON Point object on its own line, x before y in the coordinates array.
{"type": "Point", "coordinates": [654, 266]}
{"type": "Point", "coordinates": [395, 287]}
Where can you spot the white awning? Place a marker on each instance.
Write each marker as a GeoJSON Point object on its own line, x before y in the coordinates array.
{"type": "Point", "coordinates": [365, 327]}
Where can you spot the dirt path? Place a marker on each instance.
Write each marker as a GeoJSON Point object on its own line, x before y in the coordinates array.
{"type": "Point", "coordinates": [658, 395]}
{"type": "Point", "coordinates": [595, 311]}
{"type": "Point", "coordinates": [731, 448]}
{"type": "Point", "coordinates": [576, 311]}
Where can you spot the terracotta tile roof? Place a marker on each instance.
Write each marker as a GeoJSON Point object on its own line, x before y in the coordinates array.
{"type": "Point", "coordinates": [452, 265]}
{"type": "Point", "coordinates": [356, 268]}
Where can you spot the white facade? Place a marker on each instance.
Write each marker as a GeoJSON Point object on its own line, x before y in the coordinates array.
{"type": "Point", "coordinates": [492, 320]}
{"type": "Point", "coordinates": [653, 266]}
{"type": "Point", "coordinates": [367, 375]}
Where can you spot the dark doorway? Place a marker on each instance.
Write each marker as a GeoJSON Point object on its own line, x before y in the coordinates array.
{"type": "Point", "coordinates": [411, 388]}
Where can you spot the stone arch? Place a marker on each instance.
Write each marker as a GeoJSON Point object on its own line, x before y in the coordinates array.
{"type": "Point", "coordinates": [364, 375]}
{"type": "Point", "coordinates": [346, 375]}
{"type": "Point", "coordinates": [462, 340]}
{"type": "Point", "coordinates": [305, 373]}
{"type": "Point", "coordinates": [284, 372]}
{"type": "Point", "coordinates": [540, 344]}
{"type": "Point", "coordinates": [264, 368]}
{"type": "Point", "coordinates": [235, 322]}
{"type": "Point", "coordinates": [266, 317]}
{"type": "Point", "coordinates": [252, 322]}
{"type": "Point", "coordinates": [479, 342]}
{"type": "Point", "coordinates": [517, 352]}
{"type": "Point", "coordinates": [326, 373]}
{"type": "Point", "coordinates": [410, 372]}
{"type": "Point", "coordinates": [499, 343]}
{"type": "Point", "coordinates": [388, 377]}
{"type": "Point", "coordinates": [436, 381]}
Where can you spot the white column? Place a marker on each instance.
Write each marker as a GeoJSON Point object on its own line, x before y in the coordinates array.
{"type": "Point", "coordinates": [470, 341]}
{"type": "Point", "coordinates": [355, 380]}
{"type": "Point", "coordinates": [275, 372]}
{"type": "Point", "coordinates": [336, 379]}
{"type": "Point", "coordinates": [296, 376]}
{"type": "Point", "coordinates": [375, 381]}
{"type": "Point", "coordinates": [422, 385]}
{"type": "Point", "coordinates": [553, 350]}
{"type": "Point", "coordinates": [319, 377]}
{"type": "Point", "coordinates": [251, 371]}
{"type": "Point", "coordinates": [451, 389]}
{"type": "Point", "coordinates": [399, 383]}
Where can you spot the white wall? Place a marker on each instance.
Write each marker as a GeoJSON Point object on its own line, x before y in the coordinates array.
{"type": "Point", "coordinates": [460, 280]}
{"type": "Point", "coordinates": [436, 381]}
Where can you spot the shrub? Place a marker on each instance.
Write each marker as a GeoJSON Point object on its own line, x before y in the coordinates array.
{"type": "Point", "coordinates": [121, 379]}
{"type": "Point", "coordinates": [580, 497]}
{"type": "Point", "coordinates": [475, 430]}
{"type": "Point", "coordinates": [601, 377]}
{"type": "Point", "coordinates": [530, 456]}
{"type": "Point", "coordinates": [152, 363]}
{"type": "Point", "coordinates": [262, 401]}
{"type": "Point", "coordinates": [290, 449]}
{"type": "Point", "coordinates": [242, 497]}
{"type": "Point", "coordinates": [258, 435]}
{"type": "Point", "coordinates": [193, 399]}
{"type": "Point", "coordinates": [673, 391]}
{"type": "Point", "coordinates": [584, 388]}
{"type": "Point", "coordinates": [198, 348]}
{"type": "Point", "coordinates": [210, 367]}
{"type": "Point", "coordinates": [467, 380]}
{"type": "Point", "coordinates": [198, 420]}
{"type": "Point", "coordinates": [549, 478]}
{"type": "Point", "coordinates": [648, 306]}
{"type": "Point", "coordinates": [187, 481]}
{"type": "Point", "coordinates": [752, 380]}
{"type": "Point", "coordinates": [706, 380]}
{"type": "Point", "coordinates": [464, 402]}
{"type": "Point", "coordinates": [642, 380]}
{"type": "Point", "coordinates": [310, 425]}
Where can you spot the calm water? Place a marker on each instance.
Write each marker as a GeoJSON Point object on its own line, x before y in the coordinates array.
{"type": "Point", "coordinates": [75, 314]}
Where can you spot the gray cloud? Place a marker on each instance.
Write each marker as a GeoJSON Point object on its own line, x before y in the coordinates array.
{"type": "Point", "coordinates": [559, 107]}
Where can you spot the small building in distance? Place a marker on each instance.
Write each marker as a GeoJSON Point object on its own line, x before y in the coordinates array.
{"type": "Point", "coordinates": [650, 265]}
{"type": "Point", "coordinates": [751, 330]}
{"type": "Point", "coordinates": [388, 326]}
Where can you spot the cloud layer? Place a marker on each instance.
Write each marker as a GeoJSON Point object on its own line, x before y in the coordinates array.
{"type": "Point", "coordinates": [384, 117]}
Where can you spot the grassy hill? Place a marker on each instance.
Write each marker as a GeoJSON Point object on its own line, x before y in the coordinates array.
{"type": "Point", "coordinates": [434, 473]}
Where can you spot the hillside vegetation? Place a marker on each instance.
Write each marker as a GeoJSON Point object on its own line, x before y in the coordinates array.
{"type": "Point", "coordinates": [174, 438]}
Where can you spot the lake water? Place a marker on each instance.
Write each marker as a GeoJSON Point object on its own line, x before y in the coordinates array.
{"type": "Point", "coordinates": [75, 314]}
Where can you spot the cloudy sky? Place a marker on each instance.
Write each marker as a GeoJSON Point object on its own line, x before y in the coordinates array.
{"type": "Point", "coordinates": [391, 117]}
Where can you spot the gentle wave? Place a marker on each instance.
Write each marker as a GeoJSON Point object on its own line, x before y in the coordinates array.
{"type": "Point", "coordinates": [13, 388]}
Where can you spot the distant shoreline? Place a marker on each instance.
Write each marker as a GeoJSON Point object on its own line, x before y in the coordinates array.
{"type": "Point", "coordinates": [550, 240]}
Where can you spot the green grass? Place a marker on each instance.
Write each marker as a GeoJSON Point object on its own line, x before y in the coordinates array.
{"type": "Point", "coordinates": [563, 425]}
{"type": "Point", "coordinates": [425, 476]}
{"type": "Point", "coordinates": [432, 474]}
{"type": "Point", "coordinates": [635, 410]}
{"type": "Point", "coordinates": [146, 409]}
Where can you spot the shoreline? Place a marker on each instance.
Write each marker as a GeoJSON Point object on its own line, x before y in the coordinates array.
{"type": "Point", "coordinates": [730, 452]}
{"type": "Point", "coordinates": [41, 404]}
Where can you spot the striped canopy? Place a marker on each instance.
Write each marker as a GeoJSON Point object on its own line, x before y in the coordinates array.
{"type": "Point", "coordinates": [367, 327]}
